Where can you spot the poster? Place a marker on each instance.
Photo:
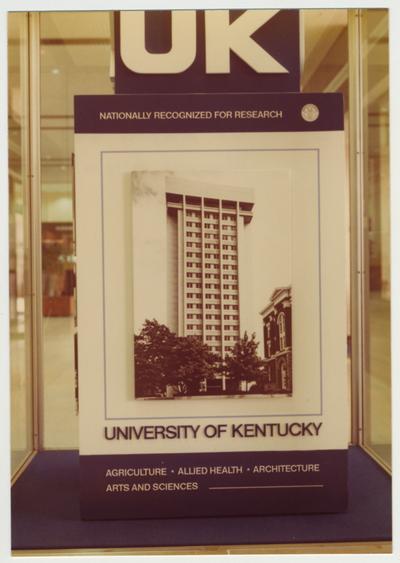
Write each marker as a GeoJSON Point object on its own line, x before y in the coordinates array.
{"type": "Point", "coordinates": [211, 304]}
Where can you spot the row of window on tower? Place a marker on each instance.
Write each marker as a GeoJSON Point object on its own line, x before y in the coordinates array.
{"type": "Point", "coordinates": [199, 305]}
{"type": "Point", "coordinates": [230, 286]}
{"type": "Point", "coordinates": [210, 245]}
{"type": "Point", "coordinates": [208, 316]}
{"type": "Point", "coordinates": [211, 255]}
{"type": "Point", "coordinates": [192, 234]}
{"type": "Point", "coordinates": [210, 327]}
{"type": "Point", "coordinates": [210, 266]}
{"type": "Point", "coordinates": [211, 235]}
{"type": "Point", "coordinates": [211, 215]}
{"type": "Point", "coordinates": [212, 226]}
{"type": "Point", "coordinates": [215, 317]}
{"type": "Point", "coordinates": [226, 296]}
{"type": "Point", "coordinates": [209, 276]}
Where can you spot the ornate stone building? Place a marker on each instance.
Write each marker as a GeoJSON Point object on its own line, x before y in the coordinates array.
{"type": "Point", "coordinates": [277, 321]}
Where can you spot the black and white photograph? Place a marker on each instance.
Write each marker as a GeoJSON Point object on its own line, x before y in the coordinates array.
{"type": "Point", "coordinates": [212, 288]}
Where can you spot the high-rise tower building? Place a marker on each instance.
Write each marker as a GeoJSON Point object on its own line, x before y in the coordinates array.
{"type": "Point", "coordinates": [206, 246]}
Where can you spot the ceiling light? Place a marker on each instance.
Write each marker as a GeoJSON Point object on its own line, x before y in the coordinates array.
{"type": "Point", "coordinates": [55, 70]}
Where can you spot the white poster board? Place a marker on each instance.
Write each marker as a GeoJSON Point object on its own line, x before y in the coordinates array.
{"type": "Point", "coordinates": [211, 304]}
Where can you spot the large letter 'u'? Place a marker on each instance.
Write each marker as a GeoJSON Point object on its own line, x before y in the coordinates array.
{"type": "Point", "coordinates": [183, 45]}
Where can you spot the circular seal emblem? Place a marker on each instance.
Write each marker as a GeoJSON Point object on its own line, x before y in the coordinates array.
{"type": "Point", "coordinates": [309, 112]}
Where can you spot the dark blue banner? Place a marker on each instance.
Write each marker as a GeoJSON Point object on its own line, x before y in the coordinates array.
{"type": "Point", "coordinates": [191, 113]}
{"type": "Point", "coordinates": [213, 484]}
{"type": "Point", "coordinates": [207, 51]}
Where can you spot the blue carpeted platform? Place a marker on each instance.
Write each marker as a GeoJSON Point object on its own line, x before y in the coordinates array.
{"type": "Point", "coordinates": [45, 514]}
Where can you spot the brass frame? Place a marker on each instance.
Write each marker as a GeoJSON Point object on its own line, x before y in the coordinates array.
{"type": "Point", "coordinates": [36, 227]}
{"type": "Point", "coordinates": [259, 549]}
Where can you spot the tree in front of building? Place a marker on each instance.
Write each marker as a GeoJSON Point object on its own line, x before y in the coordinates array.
{"type": "Point", "coordinates": [153, 366]}
{"type": "Point", "coordinates": [243, 364]}
{"type": "Point", "coordinates": [164, 360]}
{"type": "Point", "coordinates": [195, 363]}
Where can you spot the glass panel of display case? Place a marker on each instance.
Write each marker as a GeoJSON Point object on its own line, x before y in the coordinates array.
{"type": "Point", "coordinates": [19, 250]}
{"type": "Point", "coordinates": [377, 385]}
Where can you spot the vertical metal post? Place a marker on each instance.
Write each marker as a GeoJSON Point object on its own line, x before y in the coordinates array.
{"type": "Point", "coordinates": [357, 261]}
{"type": "Point", "coordinates": [36, 223]}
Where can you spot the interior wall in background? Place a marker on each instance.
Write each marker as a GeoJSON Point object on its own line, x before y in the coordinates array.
{"type": "Point", "coordinates": [57, 204]}
{"type": "Point", "coordinates": [75, 54]}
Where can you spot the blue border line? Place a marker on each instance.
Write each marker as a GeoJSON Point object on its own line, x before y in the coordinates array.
{"type": "Point", "coordinates": [320, 281]}
{"type": "Point", "coordinates": [317, 151]}
{"type": "Point", "coordinates": [104, 286]}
